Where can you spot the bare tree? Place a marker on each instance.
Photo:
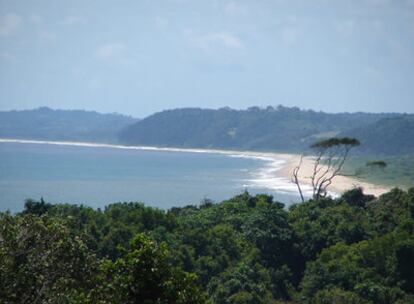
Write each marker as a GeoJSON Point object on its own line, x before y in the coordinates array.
{"type": "Point", "coordinates": [331, 155]}
{"type": "Point", "coordinates": [295, 177]}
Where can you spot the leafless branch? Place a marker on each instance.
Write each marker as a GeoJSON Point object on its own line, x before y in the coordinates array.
{"type": "Point", "coordinates": [295, 177]}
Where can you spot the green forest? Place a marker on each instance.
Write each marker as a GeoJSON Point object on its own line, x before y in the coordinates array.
{"type": "Point", "coordinates": [272, 129]}
{"type": "Point", "coordinates": [64, 125]}
{"type": "Point", "coordinates": [249, 249]}
{"type": "Point", "coordinates": [283, 129]}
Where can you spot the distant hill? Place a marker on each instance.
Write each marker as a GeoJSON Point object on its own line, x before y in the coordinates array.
{"type": "Point", "coordinates": [48, 124]}
{"type": "Point", "coordinates": [281, 128]}
{"type": "Point", "coordinates": [388, 136]}
{"type": "Point", "coordinates": [270, 129]}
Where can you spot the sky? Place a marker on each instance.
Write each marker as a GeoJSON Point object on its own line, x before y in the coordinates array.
{"type": "Point", "coordinates": [138, 57]}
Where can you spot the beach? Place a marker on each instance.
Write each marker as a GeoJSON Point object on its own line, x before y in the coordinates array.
{"type": "Point", "coordinates": [339, 185]}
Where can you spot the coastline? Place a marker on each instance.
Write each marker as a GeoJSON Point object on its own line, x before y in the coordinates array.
{"type": "Point", "coordinates": [266, 156]}
{"type": "Point", "coordinates": [339, 185]}
{"type": "Point", "coordinates": [274, 175]}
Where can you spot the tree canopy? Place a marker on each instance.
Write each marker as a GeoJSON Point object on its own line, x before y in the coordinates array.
{"type": "Point", "coordinates": [249, 249]}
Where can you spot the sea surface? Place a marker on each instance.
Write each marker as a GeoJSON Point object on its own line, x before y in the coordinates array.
{"type": "Point", "coordinates": [96, 175]}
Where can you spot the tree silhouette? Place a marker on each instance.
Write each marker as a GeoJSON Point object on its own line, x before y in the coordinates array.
{"type": "Point", "coordinates": [331, 155]}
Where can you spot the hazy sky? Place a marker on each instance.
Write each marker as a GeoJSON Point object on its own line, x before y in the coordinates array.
{"type": "Point", "coordinates": [138, 57]}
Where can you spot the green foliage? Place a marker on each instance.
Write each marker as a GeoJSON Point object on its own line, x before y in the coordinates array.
{"type": "Point", "coordinates": [398, 170]}
{"type": "Point", "coordinates": [249, 249]}
{"type": "Point", "coordinates": [42, 261]}
{"type": "Point", "coordinates": [388, 136]}
{"type": "Point", "coordinates": [144, 275]}
{"type": "Point", "coordinates": [325, 222]}
{"type": "Point", "coordinates": [376, 163]}
{"type": "Point", "coordinates": [77, 125]}
{"type": "Point", "coordinates": [356, 198]}
{"type": "Point", "coordinates": [37, 208]}
{"type": "Point", "coordinates": [337, 295]}
{"type": "Point", "coordinates": [391, 209]}
{"type": "Point", "coordinates": [281, 128]}
{"type": "Point", "coordinates": [379, 270]}
{"type": "Point", "coordinates": [335, 142]}
{"type": "Point", "coordinates": [248, 282]}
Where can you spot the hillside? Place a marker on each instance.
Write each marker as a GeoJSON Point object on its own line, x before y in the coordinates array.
{"type": "Point", "coordinates": [270, 129]}
{"type": "Point", "coordinates": [281, 128]}
{"type": "Point", "coordinates": [388, 136]}
{"type": "Point", "coordinates": [48, 124]}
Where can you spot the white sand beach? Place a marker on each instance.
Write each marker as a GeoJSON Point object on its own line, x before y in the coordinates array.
{"type": "Point", "coordinates": [339, 184]}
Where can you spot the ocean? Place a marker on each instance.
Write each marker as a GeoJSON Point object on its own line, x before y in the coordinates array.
{"type": "Point", "coordinates": [96, 175]}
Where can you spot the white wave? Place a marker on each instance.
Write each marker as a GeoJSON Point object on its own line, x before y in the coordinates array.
{"type": "Point", "coordinates": [231, 153]}
{"type": "Point", "coordinates": [266, 177]}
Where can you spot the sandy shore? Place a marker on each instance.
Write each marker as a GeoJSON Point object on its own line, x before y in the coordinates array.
{"type": "Point", "coordinates": [339, 185]}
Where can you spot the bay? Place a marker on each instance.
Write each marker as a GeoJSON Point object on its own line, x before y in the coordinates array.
{"type": "Point", "coordinates": [96, 175]}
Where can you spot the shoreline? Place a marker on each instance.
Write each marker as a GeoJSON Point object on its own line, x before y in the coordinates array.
{"type": "Point", "coordinates": [266, 156]}
{"type": "Point", "coordinates": [145, 148]}
{"type": "Point", "coordinates": [274, 175]}
{"type": "Point", "coordinates": [339, 185]}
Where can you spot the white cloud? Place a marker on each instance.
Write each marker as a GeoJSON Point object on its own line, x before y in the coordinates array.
{"type": "Point", "coordinates": [216, 42]}
{"type": "Point", "coordinates": [73, 20]}
{"type": "Point", "coordinates": [9, 24]}
{"type": "Point", "coordinates": [111, 52]}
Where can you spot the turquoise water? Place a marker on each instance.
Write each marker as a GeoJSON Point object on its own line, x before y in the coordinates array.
{"type": "Point", "coordinates": [96, 176]}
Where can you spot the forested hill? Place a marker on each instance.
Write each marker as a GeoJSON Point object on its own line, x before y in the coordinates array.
{"type": "Point", "coordinates": [392, 135]}
{"type": "Point", "coordinates": [47, 124]}
{"type": "Point", "coordinates": [270, 129]}
{"type": "Point", "coordinates": [281, 128]}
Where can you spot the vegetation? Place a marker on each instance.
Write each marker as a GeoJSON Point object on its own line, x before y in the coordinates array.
{"type": "Point", "coordinates": [261, 129]}
{"type": "Point", "coordinates": [389, 171]}
{"type": "Point", "coordinates": [76, 125]}
{"type": "Point", "coordinates": [387, 136]}
{"type": "Point", "coordinates": [280, 128]}
{"type": "Point", "coordinates": [249, 249]}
